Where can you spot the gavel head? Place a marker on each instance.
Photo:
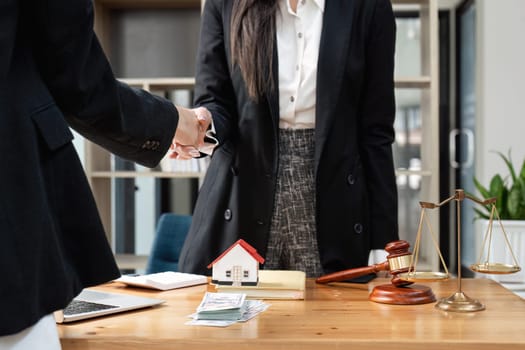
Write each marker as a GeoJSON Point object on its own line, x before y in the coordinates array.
{"type": "Point", "coordinates": [398, 259]}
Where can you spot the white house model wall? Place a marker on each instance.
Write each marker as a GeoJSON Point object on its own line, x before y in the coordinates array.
{"type": "Point", "coordinates": [236, 266]}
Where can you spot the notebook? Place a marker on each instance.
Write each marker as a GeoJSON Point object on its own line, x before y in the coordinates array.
{"type": "Point", "coordinates": [273, 284]}
{"type": "Point", "coordinates": [91, 303]}
{"type": "Point", "coordinates": [163, 280]}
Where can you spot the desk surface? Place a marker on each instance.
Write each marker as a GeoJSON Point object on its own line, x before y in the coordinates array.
{"type": "Point", "coordinates": [336, 316]}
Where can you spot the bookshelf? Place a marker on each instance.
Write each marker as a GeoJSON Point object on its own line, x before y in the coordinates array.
{"type": "Point", "coordinates": [151, 45]}
{"type": "Point", "coordinates": [99, 163]}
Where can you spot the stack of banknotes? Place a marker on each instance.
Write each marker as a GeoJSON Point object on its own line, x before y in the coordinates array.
{"type": "Point", "coordinates": [224, 309]}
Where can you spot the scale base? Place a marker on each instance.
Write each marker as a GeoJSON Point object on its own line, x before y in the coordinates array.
{"type": "Point", "coordinates": [459, 302]}
{"type": "Point", "coordinates": [407, 295]}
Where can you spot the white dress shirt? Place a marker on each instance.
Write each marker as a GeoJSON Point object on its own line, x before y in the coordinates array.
{"type": "Point", "coordinates": [41, 336]}
{"type": "Point", "coordinates": [298, 37]}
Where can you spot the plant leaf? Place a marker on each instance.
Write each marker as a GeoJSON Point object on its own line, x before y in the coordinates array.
{"type": "Point", "coordinates": [522, 173]}
{"type": "Point", "coordinates": [521, 211]}
{"type": "Point", "coordinates": [509, 165]}
{"type": "Point", "coordinates": [482, 190]}
{"type": "Point", "coordinates": [521, 180]}
{"type": "Point", "coordinates": [497, 185]}
{"type": "Point", "coordinates": [513, 202]}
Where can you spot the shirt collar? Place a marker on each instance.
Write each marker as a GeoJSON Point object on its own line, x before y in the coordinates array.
{"type": "Point", "coordinates": [319, 3]}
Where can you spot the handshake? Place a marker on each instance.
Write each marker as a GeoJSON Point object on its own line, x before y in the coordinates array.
{"type": "Point", "coordinates": [192, 133]}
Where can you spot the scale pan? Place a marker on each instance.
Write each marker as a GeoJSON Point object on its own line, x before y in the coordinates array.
{"type": "Point", "coordinates": [495, 268]}
{"type": "Point", "coordinates": [428, 276]}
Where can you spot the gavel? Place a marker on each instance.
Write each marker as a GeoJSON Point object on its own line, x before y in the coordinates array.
{"type": "Point", "coordinates": [397, 262]}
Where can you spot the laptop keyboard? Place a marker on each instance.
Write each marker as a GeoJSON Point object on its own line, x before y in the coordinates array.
{"type": "Point", "coordinates": [78, 307]}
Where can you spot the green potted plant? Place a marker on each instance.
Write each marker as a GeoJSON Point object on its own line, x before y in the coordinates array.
{"type": "Point", "coordinates": [509, 193]}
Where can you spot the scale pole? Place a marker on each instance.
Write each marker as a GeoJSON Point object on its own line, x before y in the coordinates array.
{"type": "Point", "coordinates": [458, 223]}
{"type": "Point", "coordinates": [459, 302]}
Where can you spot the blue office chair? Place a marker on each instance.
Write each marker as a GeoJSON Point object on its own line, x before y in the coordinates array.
{"type": "Point", "coordinates": [169, 238]}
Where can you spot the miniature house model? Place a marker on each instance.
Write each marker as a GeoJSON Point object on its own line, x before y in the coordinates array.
{"type": "Point", "coordinates": [238, 265]}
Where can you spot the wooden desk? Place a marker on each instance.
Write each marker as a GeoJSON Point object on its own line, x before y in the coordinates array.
{"type": "Point", "coordinates": [337, 316]}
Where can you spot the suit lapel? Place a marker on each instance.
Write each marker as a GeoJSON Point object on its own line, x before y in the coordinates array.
{"type": "Point", "coordinates": [333, 52]}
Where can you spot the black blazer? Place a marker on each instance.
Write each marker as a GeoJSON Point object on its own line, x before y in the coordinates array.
{"type": "Point", "coordinates": [355, 181]}
{"type": "Point", "coordinates": [53, 73]}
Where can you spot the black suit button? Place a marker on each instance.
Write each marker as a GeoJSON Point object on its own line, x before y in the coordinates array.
{"type": "Point", "coordinates": [260, 222]}
{"type": "Point", "coordinates": [227, 215]}
{"type": "Point", "coordinates": [358, 228]}
{"type": "Point", "coordinates": [350, 179]}
{"type": "Point", "coordinates": [151, 145]}
{"type": "Point", "coordinates": [234, 170]}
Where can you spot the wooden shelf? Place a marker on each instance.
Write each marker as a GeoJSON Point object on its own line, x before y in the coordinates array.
{"type": "Point", "coordinates": [422, 82]}
{"type": "Point", "coordinates": [413, 172]}
{"type": "Point", "coordinates": [161, 83]}
{"type": "Point", "coordinates": [149, 3]}
{"type": "Point", "coordinates": [410, 2]}
{"type": "Point", "coordinates": [135, 174]}
{"type": "Point", "coordinates": [172, 83]}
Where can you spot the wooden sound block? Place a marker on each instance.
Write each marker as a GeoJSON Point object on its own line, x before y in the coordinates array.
{"type": "Point", "coordinates": [407, 295]}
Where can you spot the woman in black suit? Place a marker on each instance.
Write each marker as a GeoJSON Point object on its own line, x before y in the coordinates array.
{"type": "Point", "coordinates": [302, 98]}
{"type": "Point", "coordinates": [53, 74]}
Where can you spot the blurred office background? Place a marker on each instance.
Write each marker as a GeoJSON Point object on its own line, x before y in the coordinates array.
{"type": "Point", "coordinates": [481, 94]}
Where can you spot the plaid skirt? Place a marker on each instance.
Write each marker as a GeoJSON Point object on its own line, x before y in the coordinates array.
{"type": "Point", "coordinates": [292, 243]}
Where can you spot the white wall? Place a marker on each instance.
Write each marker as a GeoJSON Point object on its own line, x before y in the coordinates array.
{"type": "Point", "coordinates": [501, 85]}
{"type": "Point", "coordinates": [500, 104]}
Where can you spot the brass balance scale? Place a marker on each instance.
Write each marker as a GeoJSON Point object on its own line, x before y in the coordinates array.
{"type": "Point", "coordinates": [459, 301]}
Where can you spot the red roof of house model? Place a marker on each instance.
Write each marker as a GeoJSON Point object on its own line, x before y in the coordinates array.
{"type": "Point", "coordinates": [251, 250]}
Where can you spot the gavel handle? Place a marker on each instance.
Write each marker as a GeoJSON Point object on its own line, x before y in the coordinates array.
{"type": "Point", "coordinates": [353, 273]}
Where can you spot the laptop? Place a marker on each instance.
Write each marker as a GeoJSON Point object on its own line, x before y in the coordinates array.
{"type": "Point", "coordinates": [92, 303]}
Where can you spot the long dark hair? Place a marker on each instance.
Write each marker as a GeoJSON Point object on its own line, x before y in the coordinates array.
{"type": "Point", "coordinates": [252, 36]}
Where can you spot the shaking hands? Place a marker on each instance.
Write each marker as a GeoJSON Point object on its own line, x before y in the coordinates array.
{"type": "Point", "coordinates": [191, 131]}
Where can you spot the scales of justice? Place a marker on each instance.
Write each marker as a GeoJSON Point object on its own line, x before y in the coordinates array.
{"type": "Point", "coordinates": [402, 265]}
